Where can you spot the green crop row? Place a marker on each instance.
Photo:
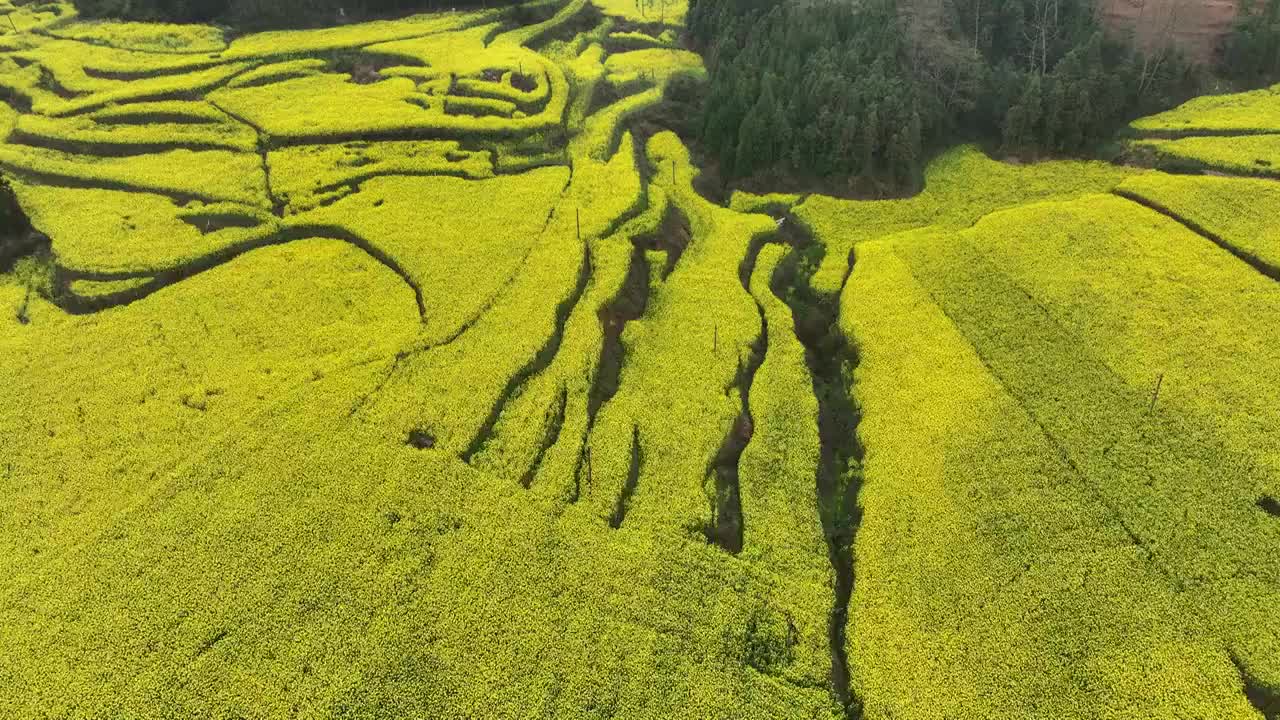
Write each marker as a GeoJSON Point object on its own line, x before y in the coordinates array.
{"type": "Point", "coordinates": [458, 53]}
{"type": "Point", "coordinates": [93, 290]}
{"type": "Point", "coordinates": [600, 130]}
{"type": "Point", "coordinates": [8, 119]}
{"type": "Point", "coordinates": [629, 72]}
{"type": "Point", "coordinates": [451, 387]}
{"type": "Point", "coordinates": [31, 17]}
{"type": "Point", "coordinates": [584, 72]}
{"type": "Point", "coordinates": [1190, 312]}
{"type": "Point", "coordinates": [528, 34]}
{"type": "Point", "coordinates": [109, 63]}
{"type": "Point", "coordinates": [399, 581]}
{"type": "Point", "coordinates": [658, 64]}
{"type": "Point", "coordinates": [113, 61]}
{"type": "Point", "coordinates": [68, 67]}
{"type": "Point", "coordinates": [63, 62]}
{"type": "Point", "coordinates": [961, 186]}
{"type": "Point", "coordinates": [121, 415]}
{"type": "Point", "coordinates": [994, 576]}
{"type": "Point", "coordinates": [22, 85]}
{"type": "Point", "coordinates": [640, 41]}
{"type": "Point", "coordinates": [547, 286]}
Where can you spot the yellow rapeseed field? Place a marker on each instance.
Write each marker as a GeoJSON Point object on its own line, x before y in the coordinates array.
{"type": "Point", "coordinates": [407, 369]}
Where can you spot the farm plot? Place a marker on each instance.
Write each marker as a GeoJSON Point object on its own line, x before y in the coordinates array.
{"type": "Point", "coordinates": [961, 186]}
{"type": "Point", "coordinates": [992, 582]}
{"type": "Point", "coordinates": [1235, 134]}
{"type": "Point", "coordinates": [1088, 361]}
{"type": "Point", "coordinates": [1239, 113]}
{"type": "Point", "coordinates": [372, 388]}
{"type": "Point", "coordinates": [1237, 155]}
{"type": "Point", "coordinates": [398, 369]}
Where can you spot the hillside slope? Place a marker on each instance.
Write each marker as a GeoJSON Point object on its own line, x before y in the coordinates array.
{"type": "Point", "coordinates": [1196, 27]}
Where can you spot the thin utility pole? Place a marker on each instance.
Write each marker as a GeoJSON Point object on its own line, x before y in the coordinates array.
{"type": "Point", "coordinates": [1156, 394]}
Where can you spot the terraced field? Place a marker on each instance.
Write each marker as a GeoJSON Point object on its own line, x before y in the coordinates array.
{"type": "Point", "coordinates": [400, 370]}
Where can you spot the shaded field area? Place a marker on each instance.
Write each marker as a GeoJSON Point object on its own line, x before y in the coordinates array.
{"type": "Point", "coordinates": [399, 369]}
